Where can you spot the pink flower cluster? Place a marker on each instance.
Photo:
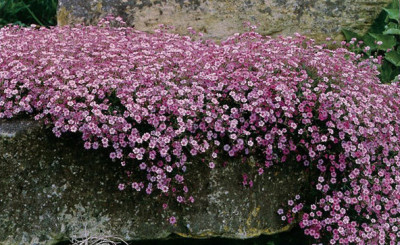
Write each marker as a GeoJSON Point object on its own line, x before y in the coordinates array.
{"type": "Point", "coordinates": [159, 100]}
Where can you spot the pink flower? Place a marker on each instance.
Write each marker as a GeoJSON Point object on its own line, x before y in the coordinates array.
{"type": "Point", "coordinates": [180, 199]}
{"type": "Point", "coordinates": [87, 145]}
{"type": "Point", "coordinates": [172, 220]}
{"type": "Point", "coordinates": [121, 187]}
{"type": "Point", "coordinates": [191, 199]}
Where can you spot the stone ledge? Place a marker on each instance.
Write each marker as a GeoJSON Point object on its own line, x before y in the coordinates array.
{"type": "Point", "coordinates": [50, 188]}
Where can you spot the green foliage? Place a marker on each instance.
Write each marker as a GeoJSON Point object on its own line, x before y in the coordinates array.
{"type": "Point", "coordinates": [383, 39]}
{"type": "Point", "coordinates": [27, 12]}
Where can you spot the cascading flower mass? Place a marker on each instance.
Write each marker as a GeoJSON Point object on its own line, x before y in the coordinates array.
{"type": "Point", "coordinates": [158, 100]}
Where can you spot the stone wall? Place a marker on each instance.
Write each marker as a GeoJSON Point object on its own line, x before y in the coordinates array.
{"type": "Point", "coordinates": [220, 18]}
{"type": "Point", "coordinates": [51, 189]}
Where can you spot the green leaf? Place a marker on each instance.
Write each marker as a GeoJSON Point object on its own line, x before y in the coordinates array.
{"type": "Point", "coordinates": [393, 13]}
{"type": "Point", "coordinates": [370, 41]}
{"type": "Point", "coordinates": [385, 71]}
{"type": "Point", "coordinates": [394, 4]}
{"type": "Point", "coordinates": [378, 26]}
{"type": "Point", "coordinates": [393, 57]}
{"type": "Point", "coordinates": [391, 25]}
{"type": "Point", "coordinates": [388, 72]}
{"type": "Point", "coordinates": [388, 41]}
{"type": "Point", "coordinates": [392, 31]}
{"type": "Point", "coordinates": [350, 34]}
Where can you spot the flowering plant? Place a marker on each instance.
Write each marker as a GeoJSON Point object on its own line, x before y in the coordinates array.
{"type": "Point", "coordinates": [381, 40]}
{"type": "Point", "coordinates": [157, 100]}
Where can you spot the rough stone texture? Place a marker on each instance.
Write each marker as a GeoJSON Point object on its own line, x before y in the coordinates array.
{"type": "Point", "coordinates": [51, 189]}
{"type": "Point", "coordinates": [220, 18]}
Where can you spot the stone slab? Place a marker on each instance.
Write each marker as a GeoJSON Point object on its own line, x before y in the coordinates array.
{"type": "Point", "coordinates": [51, 189]}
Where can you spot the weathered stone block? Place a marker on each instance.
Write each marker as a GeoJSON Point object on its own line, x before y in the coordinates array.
{"type": "Point", "coordinates": [52, 189]}
{"type": "Point", "coordinates": [218, 19]}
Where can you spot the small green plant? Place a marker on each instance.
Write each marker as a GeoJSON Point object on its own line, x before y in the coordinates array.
{"type": "Point", "coordinates": [382, 40]}
{"type": "Point", "coordinates": [24, 12]}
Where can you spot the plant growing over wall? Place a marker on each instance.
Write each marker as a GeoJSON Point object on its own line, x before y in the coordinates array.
{"type": "Point", "coordinates": [383, 39]}
{"type": "Point", "coordinates": [161, 100]}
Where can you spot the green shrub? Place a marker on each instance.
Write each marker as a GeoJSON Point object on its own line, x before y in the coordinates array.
{"type": "Point", "coordinates": [24, 12]}
{"type": "Point", "coordinates": [383, 39]}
